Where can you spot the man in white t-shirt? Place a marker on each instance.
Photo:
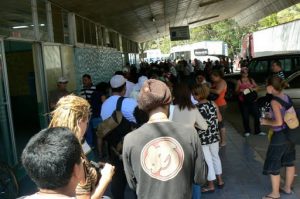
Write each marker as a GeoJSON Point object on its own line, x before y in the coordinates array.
{"type": "Point", "coordinates": [118, 86]}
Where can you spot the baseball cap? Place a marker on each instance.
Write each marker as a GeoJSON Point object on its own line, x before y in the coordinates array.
{"type": "Point", "coordinates": [125, 70]}
{"type": "Point", "coordinates": [117, 81]}
{"type": "Point", "coordinates": [62, 80]}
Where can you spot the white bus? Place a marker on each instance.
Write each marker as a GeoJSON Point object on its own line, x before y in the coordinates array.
{"type": "Point", "coordinates": [201, 50]}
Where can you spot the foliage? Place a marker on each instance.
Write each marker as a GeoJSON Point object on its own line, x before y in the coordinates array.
{"type": "Point", "coordinates": [227, 30]}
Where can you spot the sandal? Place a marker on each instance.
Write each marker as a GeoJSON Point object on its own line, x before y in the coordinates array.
{"type": "Point", "coordinates": [281, 190]}
{"type": "Point", "coordinates": [207, 190]}
{"type": "Point", "coordinates": [269, 197]}
{"type": "Point", "coordinates": [221, 186]}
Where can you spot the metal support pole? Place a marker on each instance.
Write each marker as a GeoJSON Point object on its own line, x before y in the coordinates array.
{"type": "Point", "coordinates": [72, 28]}
{"type": "Point", "coordinates": [49, 22]}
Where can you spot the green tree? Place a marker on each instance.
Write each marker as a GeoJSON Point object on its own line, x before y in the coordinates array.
{"type": "Point", "coordinates": [228, 31]}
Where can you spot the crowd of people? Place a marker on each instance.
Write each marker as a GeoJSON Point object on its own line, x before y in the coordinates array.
{"type": "Point", "coordinates": [159, 128]}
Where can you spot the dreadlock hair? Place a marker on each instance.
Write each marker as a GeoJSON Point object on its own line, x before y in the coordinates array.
{"type": "Point", "coordinates": [68, 111]}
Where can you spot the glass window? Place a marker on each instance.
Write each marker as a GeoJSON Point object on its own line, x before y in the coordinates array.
{"type": "Point", "coordinates": [79, 29]}
{"type": "Point", "coordinates": [286, 64]}
{"type": "Point", "coordinates": [297, 63]}
{"type": "Point", "coordinates": [113, 39]}
{"type": "Point", "coordinates": [99, 36]}
{"type": "Point", "coordinates": [93, 34]}
{"type": "Point", "coordinates": [87, 32]}
{"type": "Point", "coordinates": [16, 19]}
{"type": "Point", "coordinates": [65, 21]}
{"type": "Point", "coordinates": [183, 55]}
{"type": "Point", "coordinates": [261, 66]}
{"type": "Point", "coordinates": [124, 44]}
{"type": "Point", "coordinates": [57, 24]}
{"type": "Point", "coordinates": [295, 83]}
{"type": "Point", "coordinates": [42, 19]}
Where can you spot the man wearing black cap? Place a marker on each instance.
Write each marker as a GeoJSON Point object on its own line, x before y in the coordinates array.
{"type": "Point", "coordinates": [162, 158]}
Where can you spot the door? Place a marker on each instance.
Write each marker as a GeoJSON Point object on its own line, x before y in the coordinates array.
{"type": "Point", "coordinates": [8, 151]}
{"type": "Point", "coordinates": [22, 86]}
{"type": "Point", "coordinates": [58, 62]}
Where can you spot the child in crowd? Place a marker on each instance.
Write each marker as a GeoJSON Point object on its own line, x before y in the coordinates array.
{"type": "Point", "coordinates": [209, 138]}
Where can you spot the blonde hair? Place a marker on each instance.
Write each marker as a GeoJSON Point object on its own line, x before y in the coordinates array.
{"type": "Point", "coordinates": [68, 111]}
{"type": "Point", "coordinates": [201, 91]}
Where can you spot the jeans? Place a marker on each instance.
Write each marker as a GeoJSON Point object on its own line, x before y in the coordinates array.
{"type": "Point", "coordinates": [196, 191]}
{"type": "Point", "coordinates": [248, 109]}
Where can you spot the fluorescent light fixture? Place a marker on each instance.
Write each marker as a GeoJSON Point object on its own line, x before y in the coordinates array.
{"type": "Point", "coordinates": [19, 27]}
{"type": "Point", "coordinates": [206, 3]}
{"type": "Point", "coordinates": [40, 25]}
{"type": "Point", "coordinates": [204, 19]}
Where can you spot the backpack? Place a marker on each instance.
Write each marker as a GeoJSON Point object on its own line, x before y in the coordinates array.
{"type": "Point", "coordinates": [113, 130]}
{"type": "Point", "coordinates": [290, 116]}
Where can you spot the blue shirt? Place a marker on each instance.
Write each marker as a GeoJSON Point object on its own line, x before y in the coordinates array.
{"type": "Point", "coordinates": [127, 109]}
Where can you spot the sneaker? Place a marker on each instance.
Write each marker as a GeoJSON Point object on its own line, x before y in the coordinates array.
{"type": "Point", "coordinates": [247, 134]}
{"type": "Point", "coordinates": [262, 134]}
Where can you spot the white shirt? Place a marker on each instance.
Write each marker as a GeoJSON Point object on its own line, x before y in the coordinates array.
{"type": "Point", "coordinates": [127, 109]}
{"type": "Point", "coordinates": [129, 88]}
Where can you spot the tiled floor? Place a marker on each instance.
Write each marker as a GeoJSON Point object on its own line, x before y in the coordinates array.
{"type": "Point", "coordinates": [242, 171]}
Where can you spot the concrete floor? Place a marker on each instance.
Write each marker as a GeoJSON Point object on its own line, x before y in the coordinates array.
{"type": "Point", "coordinates": [258, 143]}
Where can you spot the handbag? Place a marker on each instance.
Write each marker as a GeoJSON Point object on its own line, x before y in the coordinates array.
{"type": "Point", "coordinates": [250, 95]}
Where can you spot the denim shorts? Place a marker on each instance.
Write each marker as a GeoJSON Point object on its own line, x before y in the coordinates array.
{"type": "Point", "coordinates": [278, 156]}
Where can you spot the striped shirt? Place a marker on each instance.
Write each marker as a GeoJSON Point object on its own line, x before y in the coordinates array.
{"type": "Point", "coordinates": [91, 179]}
{"type": "Point", "coordinates": [86, 93]}
{"type": "Point", "coordinates": [280, 74]}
